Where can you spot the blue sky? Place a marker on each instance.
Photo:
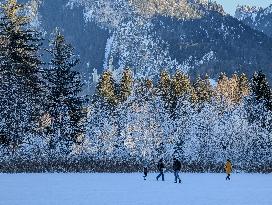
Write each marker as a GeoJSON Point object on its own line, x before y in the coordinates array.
{"type": "Point", "coordinates": [230, 5]}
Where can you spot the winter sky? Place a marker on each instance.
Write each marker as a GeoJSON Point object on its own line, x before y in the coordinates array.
{"type": "Point", "coordinates": [230, 5]}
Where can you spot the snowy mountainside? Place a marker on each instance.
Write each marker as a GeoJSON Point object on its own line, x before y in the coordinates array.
{"type": "Point", "coordinates": [214, 44]}
{"type": "Point", "coordinates": [88, 39]}
{"type": "Point", "coordinates": [194, 36]}
{"type": "Point", "coordinates": [244, 12]}
{"type": "Point", "coordinates": [182, 41]}
{"type": "Point", "coordinates": [256, 17]}
{"type": "Point", "coordinates": [183, 9]}
{"type": "Point", "coordinates": [134, 44]}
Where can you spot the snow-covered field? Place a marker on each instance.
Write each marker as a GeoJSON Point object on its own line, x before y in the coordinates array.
{"type": "Point", "coordinates": [131, 189]}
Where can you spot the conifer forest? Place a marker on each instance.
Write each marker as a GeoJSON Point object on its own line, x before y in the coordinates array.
{"type": "Point", "coordinates": [50, 122]}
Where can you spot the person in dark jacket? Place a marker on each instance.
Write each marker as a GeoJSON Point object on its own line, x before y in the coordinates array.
{"type": "Point", "coordinates": [176, 168]}
{"type": "Point", "coordinates": [160, 168]}
{"type": "Point", "coordinates": [145, 172]}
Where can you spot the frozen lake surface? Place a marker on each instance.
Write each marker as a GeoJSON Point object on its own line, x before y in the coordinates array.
{"type": "Point", "coordinates": [131, 189]}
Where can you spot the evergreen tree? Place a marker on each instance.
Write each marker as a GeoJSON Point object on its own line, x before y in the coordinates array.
{"type": "Point", "coordinates": [107, 90]}
{"type": "Point", "coordinates": [164, 88]}
{"type": "Point", "coordinates": [126, 85]}
{"type": "Point", "coordinates": [222, 93]}
{"type": "Point", "coordinates": [234, 89]}
{"type": "Point", "coordinates": [261, 90]}
{"type": "Point", "coordinates": [20, 72]}
{"type": "Point", "coordinates": [181, 85]}
{"type": "Point", "coordinates": [144, 90]}
{"type": "Point", "coordinates": [258, 104]}
{"type": "Point", "coordinates": [183, 126]}
{"type": "Point", "coordinates": [194, 96]}
{"type": "Point", "coordinates": [244, 88]}
{"type": "Point", "coordinates": [65, 106]}
{"type": "Point", "coordinates": [181, 88]}
{"type": "Point", "coordinates": [203, 89]}
{"type": "Point", "coordinates": [231, 91]}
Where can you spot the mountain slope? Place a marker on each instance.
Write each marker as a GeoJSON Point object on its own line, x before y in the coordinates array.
{"type": "Point", "coordinates": [216, 43]}
{"type": "Point", "coordinates": [194, 36]}
{"type": "Point", "coordinates": [88, 39]}
{"type": "Point", "coordinates": [257, 18]}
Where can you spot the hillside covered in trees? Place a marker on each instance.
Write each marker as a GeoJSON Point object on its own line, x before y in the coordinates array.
{"type": "Point", "coordinates": [256, 17]}
{"type": "Point", "coordinates": [193, 36]}
{"type": "Point", "coordinates": [47, 124]}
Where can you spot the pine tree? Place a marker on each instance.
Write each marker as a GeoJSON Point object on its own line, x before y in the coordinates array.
{"type": "Point", "coordinates": [203, 89]}
{"type": "Point", "coordinates": [107, 90]}
{"type": "Point", "coordinates": [194, 96]}
{"type": "Point", "coordinates": [20, 72]}
{"type": "Point", "coordinates": [258, 104]}
{"type": "Point", "coordinates": [181, 85]}
{"type": "Point", "coordinates": [222, 88]}
{"type": "Point", "coordinates": [181, 88]}
{"type": "Point", "coordinates": [183, 123]}
{"type": "Point", "coordinates": [126, 85]}
{"type": "Point", "coordinates": [144, 90]}
{"type": "Point", "coordinates": [164, 88]}
{"type": "Point", "coordinates": [65, 106]}
{"type": "Point", "coordinates": [234, 91]}
{"type": "Point", "coordinates": [244, 88]}
{"type": "Point", "coordinates": [261, 90]}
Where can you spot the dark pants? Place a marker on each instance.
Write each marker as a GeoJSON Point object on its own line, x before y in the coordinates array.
{"type": "Point", "coordinates": [228, 177]}
{"type": "Point", "coordinates": [176, 173]}
{"type": "Point", "coordinates": [145, 175]}
{"type": "Point", "coordinates": [161, 175]}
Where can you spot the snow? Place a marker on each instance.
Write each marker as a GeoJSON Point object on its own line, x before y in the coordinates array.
{"type": "Point", "coordinates": [107, 51]}
{"type": "Point", "coordinates": [131, 189]}
{"type": "Point", "coordinates": [95, 76]}
{"type": "Point", "coordinates": [268, 10]}
{"type": "Point", "coordinates": [244, 12]}
{"type": "Point", "coordinates": [133, 42]}
{"type": "Point", "coordinates": [213, 82]}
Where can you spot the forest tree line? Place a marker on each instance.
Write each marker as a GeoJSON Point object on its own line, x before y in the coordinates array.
{"type": "Point", "coordinates": [48, 125]}
{"type": "Point", "coordinates": [142, 120]}
{"type": "Point", "coordinates": [34, 92]}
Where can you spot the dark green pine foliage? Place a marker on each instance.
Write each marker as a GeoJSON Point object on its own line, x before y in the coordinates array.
{"type": "Point", "coordinates": [261, 90]}
{"type": "Point", "coordinates": [20, 73]}
{"type": "Point", "coordinates": [164, 90]}
{"type": "Point", "coordinates": [106, 91]}
{"type": "Point", "coordinates": [203, 89]}
{"type": "Point", "coordinates": [258, 103]}
{"type": "Point", "coordinates": [178, 150]}
{"type": "Point", "coordinates": [65, 106]}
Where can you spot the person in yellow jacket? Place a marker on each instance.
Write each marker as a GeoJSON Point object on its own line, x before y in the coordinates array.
{"type": "Point", "coordinates": [228, 169]}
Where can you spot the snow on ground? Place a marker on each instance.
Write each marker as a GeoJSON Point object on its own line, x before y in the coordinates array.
{"type": "Point", "coordinates": [131, 189]}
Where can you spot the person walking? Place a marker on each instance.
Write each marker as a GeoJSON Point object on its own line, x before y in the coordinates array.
{"type": "Point", "coordinates": [145, 172]}
{"type": "Point", "coordinates": [228, 169]}
{"type": "Point", "coordinates": [160, 168]}
{"type": "Point", "coordinates": [176, 168]}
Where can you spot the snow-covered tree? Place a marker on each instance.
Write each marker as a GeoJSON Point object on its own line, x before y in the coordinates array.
{"type": "Point", "coordinates": [125, 85]}
{"type": "Point", "coordinates": [261, 90]}
{"type": "Point", "coordinates": [203, 89]}
{"type": "Point", "coordinates": [20, 71]}
{"type": "Point", "coordinates": [64, 104]}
